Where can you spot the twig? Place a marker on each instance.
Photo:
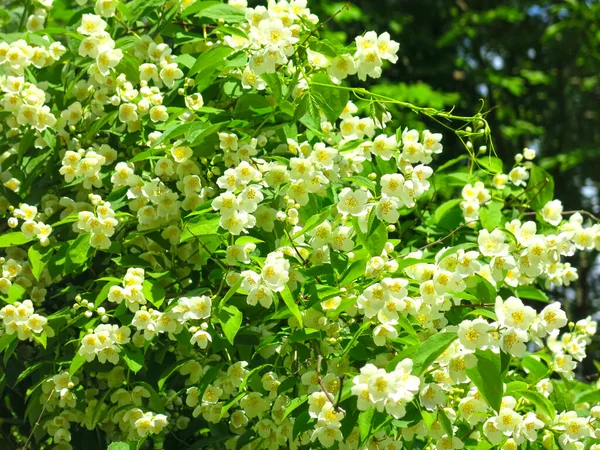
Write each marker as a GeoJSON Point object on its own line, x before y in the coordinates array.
{"type": "Point", "coordinates": [217, 260]}
{"type": "Point", "coordinates": [448, 235]}
{"type": "Point", "coordinates": [325, 391]}
{"type": "Point", "coordinates": [472, 305]}
{"type": "Point", "coordinates": [529, 188]}
{"type": "Point", "coordinates": [337, 404]}
{"type": "Point", "coordinates": [580, 211]}
{"type": "Point", "coordinates": [304, 261]}
{"type": "Point", "coordinates": [37, 422]}
{"type": "Point", "coordinates": [321, 25]}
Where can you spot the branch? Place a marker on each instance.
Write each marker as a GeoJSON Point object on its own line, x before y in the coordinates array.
{"type": "Point", "coordinates": [580, 211]}
{"type": "Point", "coordinates": [304, 261]}
{"type": "Point", "coordinates": [37, 422]}
{"type": "Point", "coordinates": [321, 25]}
{"type": "Point", "coordinates": [473, 305]}
{"type": "Point", "coordinates": [325, 391]}
{"type": "Point", "coordinates": [337, 405]}
{"type": "Point", "coordinates": [448, 235]}
{"type": "Point", "coordinates": [217, 260]}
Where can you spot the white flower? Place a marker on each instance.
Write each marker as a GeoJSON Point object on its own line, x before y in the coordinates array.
{"type": "Point", "coordinates": [474, 334]}
{"type": "Point", "coordinates": [513, 313]}
{"type": "Point", "coordinates": [387, 209]}
{"type": "Point", "coordinates": [91, 25]}
{"type": "Point", "coordinates": [170, 73]}
{"type": "Point", "coordinates": [492, 244]}
{"type": "Point", "coordinates": [352, 202]}
{"type": "Point", "coordinates": [552, 212]}
{"type": "Point", "coordinates": [340, 67]}
{"type": "Point", "coordinates": [518, 176]}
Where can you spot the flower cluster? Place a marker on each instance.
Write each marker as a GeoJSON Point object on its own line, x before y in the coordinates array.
{"type": "Point", "coordinates": [85, 163]}
{"type": "Point", "coordinates": [103, 343]}
{"type": "Point", "coordinates": [21, 318]}
{"type": "Point", "coordinates": [132, 290]}
{"type": "Point", "coordinates": [101, 224]}
{"type": "Point", "coordinates": [26, 102]}
{"type": "Point", "coordinates": [386, 391]}
{"type": "Point", "coordinates": [29, 227]}
{"type": "Point", "coordinates": [19, 55]}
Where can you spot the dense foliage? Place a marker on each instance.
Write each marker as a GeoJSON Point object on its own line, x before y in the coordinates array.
{"type": "Point", "coordinates": [532, 64]}
{"type": "Point", "coordinates": [213, 239]}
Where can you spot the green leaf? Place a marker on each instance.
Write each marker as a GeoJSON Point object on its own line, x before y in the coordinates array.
{"type": "Point", "coordinates": [362, 181]}
{"type": "Point", "coordinates": [541, 403]}
{"type": "Point", "coordinates": [170, 371]}
{"type": "Point", "coordinates": [448, 215]}
{"type": "Point", "coordinates": [197, 7]}
{"type": "Point", "coordinates": [210, 59]}
{"type": "Point", "coordinates": [532, 293]}
{"type": "Point", "coordinates": [218, 11]}
{"type": "Point", "coordinates": [365, 423]}
{"type": "Point", "coordinates": [295, 403]}
{"type": "Point", "coordinates": [250, 374]}
{"type": "Point", "coordinates": [302, 422]}
{"type": "Point", "coordinates": [540, 188]}
{"type": "Point", "coordinates": [274, 84]}
{"type": "Point", "coordinates": [42, 338]}
{"type": "Point", "coordinates": [491, 215]}
{"type": "Point", "coordinates": [232, 290]}
{"type": "Point", "coordinates": [487, 377]}
{"type": "Point", "coordinates": [38, 258]}
{"type": "Point", "coordinates": [430, 349]}
{"type": "Point", "coordinates": [484, 291]}
{"type": "Point", "coordinates": [536, 368]}
{"type": "Point", "coordinates": [103, 294]}
{"type": "Point", "coordinates": [403, 262]}
{"type": "Point", "coordinates": [230, 319]}
{"type": "Point", "coordinates": [155, 401]}
{"type": "Point", "coordinates": [354, 272]}
{"type": "Point", "coordinates": [446, 424]}
{"type": "Point", "coordinates": [491, 163]}
{"type": "Point", "coordinates": [331, 98]}
{"type": "Point", "coordinates": [15, 293]}
{"type": "Point", "coordinates": [592, 397]}
{"type": "Point", "coordinates": [77, 361]}
{"type": "Point", "coordinates": [232, 403]}
{"type": "Point", "coordinates": [141, 8]}
{"type": "Point", "coordinates": [250, 106]}
{"type": "Point", "coordinates": [133, 358]}
{"type": "Point", "coordinates": [13, 239]}
{"type": "Point", "coordinates": [288, 299]}
{"type": "Point", "coordinates": [119, 446]}
{"type": "Point", "coordinates": [314, 221]}
{"type": "Point", "coordinates": [153, 292]}
{"type": "Point", "coordinates": [200, 226]}
{"type": "Point", "coordinates": [6, 340]}
{"type": "Point", "coordinates": [78, 253]}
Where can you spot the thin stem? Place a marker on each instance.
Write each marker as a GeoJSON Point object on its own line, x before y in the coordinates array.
{"type": "Point", "coordinates": [304, 261]}
{"type": "Point", "coordinates": [472, 305]}
{"type": "Point", "coordinates": [321, 25]}
{"type": "Point", "coordinates": [217, 260]}
{"type": "Point", "coordinates": [580, 211]}
{"type": "Point", "coordinates": [448, 235]}
{"type": "Point", "coordinates": [23, 20]}
{"type": "Point", "coordinates": [37, 422]}
{"type": "Point", "coordinates": [337, 404]}
{"type": "Point", "coordinates": [325, 391]}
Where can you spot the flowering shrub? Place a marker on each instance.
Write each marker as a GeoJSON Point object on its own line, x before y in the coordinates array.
{"type": "Point", "coordinates": [212, 241]}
